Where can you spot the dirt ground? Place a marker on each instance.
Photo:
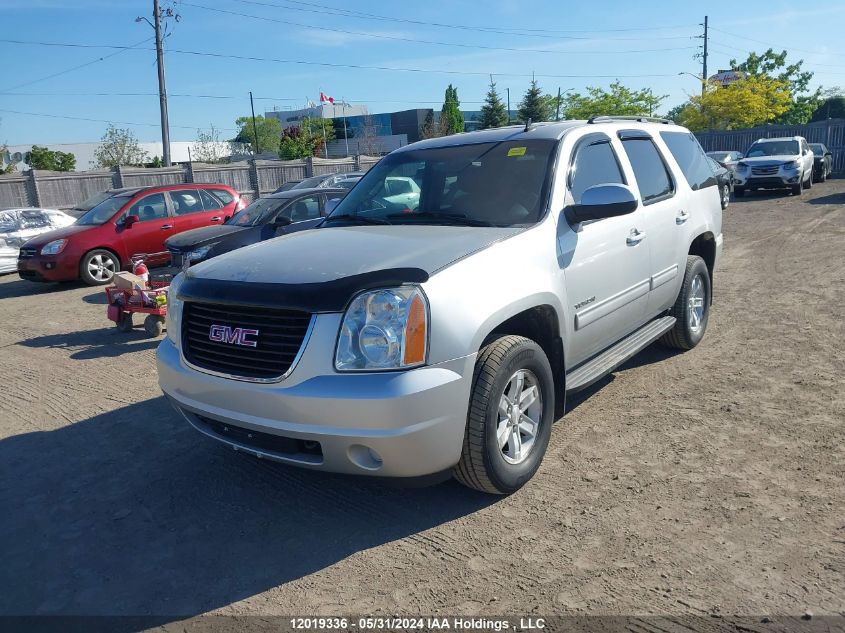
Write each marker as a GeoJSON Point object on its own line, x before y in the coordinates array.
{"type": "Point", "coordinates": [706, 483]}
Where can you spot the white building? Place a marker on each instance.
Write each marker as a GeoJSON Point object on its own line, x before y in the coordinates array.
{"type": "Point", "coordinates": [291, 118]}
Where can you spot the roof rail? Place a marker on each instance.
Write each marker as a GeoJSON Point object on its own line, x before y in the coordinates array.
{"type": "Point", "coordinates": [641, 118]}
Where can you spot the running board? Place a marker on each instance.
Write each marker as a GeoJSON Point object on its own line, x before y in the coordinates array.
{"type": "Point", "coordinates": [594, 369]}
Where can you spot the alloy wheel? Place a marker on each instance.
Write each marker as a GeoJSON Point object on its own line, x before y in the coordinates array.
{"type": "Point", "coordinates": [520, 411]}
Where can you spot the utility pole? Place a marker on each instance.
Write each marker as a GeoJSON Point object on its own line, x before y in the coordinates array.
{"type": "Point", "coordinates": [255, 147]}
{"type": "Point", "coordinates": [704, 59]}
{"type": "Point", "coordinates": [508, 90]}
{"type": "Point", "coordinates": [557, 110]}
{"type": "Point", "coordinates": [162, 89]}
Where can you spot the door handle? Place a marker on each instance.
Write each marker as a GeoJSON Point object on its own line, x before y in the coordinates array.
{"type": "Point", "coordinates": [682, 217]}
{"type": "Point", "coordinates": [164, 227]}
{"type": "Point", "coordinates": [635, 237]}
{"type": "Point", "coordinates": [216, 218]}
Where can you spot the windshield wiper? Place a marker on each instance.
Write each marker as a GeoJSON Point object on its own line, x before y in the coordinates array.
{"type": "Point", "coordinates": [359, 219]}
{"type": "Point", "coordinates": [450, 218]}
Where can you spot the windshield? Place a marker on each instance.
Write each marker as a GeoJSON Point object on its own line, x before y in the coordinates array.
{"type": "Point", "coordinates": [104, 211]}
{"type": "Point", "coordinates": [315, 181]}
{"type": "Point", "coordinates": [817, 149]}
{"type": "Point", "coordinates": [493, 184]}
{"type": "Point", "coordinates": [258, 212]}
{"type": "Point", "coordinates": [93, 201]}
{"type": "Point", "coordinates": [774, 148]}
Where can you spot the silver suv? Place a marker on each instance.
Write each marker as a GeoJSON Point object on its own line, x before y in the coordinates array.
{"type": "Point", "coordinates": [437, 333]}
{"type": "Point", "coordinates": [776, 163]}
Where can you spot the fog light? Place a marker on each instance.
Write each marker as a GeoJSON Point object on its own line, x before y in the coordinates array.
{"type": "Point", "coordinates": [364, 457]}
{"type": "Point", "coordinates": [50, 265]}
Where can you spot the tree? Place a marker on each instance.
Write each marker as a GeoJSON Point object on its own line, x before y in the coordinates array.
{"type": "Point", "coordinates": [269, 133]}
{"type": "Point", "coordinates": [450, 115]}
{"type": "Point", "coordinates": [295, 144]}
{"type": "Point", "coordinates": [743, 103]}
{"type": "Point", "coordinates": [320, 132]}
{"type": "Point", "coordinates": [774, 66]}
{"type": "Point", "coordinates": [533, 106]}
{"type": "Point", "coordinates": [208, 148]}
{"type": "Point", "coordinates": [119, 147]}
{"type": "Point", "coordinates": [368, 143]}
{"type": "Point", "coordinates": [493, 112]}
{"type": "Point", "coordinates": [832, 105]}
{"type": "Point", "coordinates": [618, 101]}
{"type": "Point", "coordinates": [43, 158]}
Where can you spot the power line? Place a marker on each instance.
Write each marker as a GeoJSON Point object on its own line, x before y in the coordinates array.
{"type": "Point", "coordinates": [303, 62]}
{"type": "Point", "coordinates": [433, 42]}
{"type": "Point", "coordinates": [110, 121]}
{"type": "Point", "coordinates": [351, 13]}
{"type": "Point", "coordinates": [203, 96]}
{"type": "Point", "coordinates": [770, 45]}
{"type": "Point", "coordinates": [68, 70]}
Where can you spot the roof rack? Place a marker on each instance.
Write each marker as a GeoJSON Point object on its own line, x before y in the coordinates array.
{"type": "Point", "coordinates": [602, 118]}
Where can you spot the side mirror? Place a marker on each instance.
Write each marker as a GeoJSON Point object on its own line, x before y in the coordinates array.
{"type": "Point", "coordinates": [130, 220]}
{"type": "Point", "coordinates": [602, 201]}
{"type": "Point", "coordinates": [281, 221]}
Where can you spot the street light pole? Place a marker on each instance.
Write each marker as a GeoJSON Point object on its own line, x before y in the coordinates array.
{"type": "Point", "coordinates": [162, 89]}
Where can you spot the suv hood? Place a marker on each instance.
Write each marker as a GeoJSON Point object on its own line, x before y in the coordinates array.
{"type": "Point", "coordinates": [57, 234]}
{"type": "Point", "coordinates": [188, 240]}
{"type": "Point", "coordinates": [771, 160]}
{"type": "Point", "coordinates": [326, 254]}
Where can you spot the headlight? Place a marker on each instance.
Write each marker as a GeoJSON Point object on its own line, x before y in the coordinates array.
{"type": "Point", "coordinates": [384, 329]}
{"type": "Point", "coordinates": [54, 248]}
{"type": "Point", "coordinates": [173, 319]}
{"type": "Point", "coordinates": [793, 164]}
{"type": "Point", "coordinates": [199, 253]}
{"type": "Point", "coordinates": [741, 167]}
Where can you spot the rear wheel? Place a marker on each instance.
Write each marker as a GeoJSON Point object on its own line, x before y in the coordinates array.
{"type": "Point", "coordinates": [692, 307]}
{"type": "Point", "coordinates": [98, 267]}
{"type": "Point", "coordinates": [510, 416]}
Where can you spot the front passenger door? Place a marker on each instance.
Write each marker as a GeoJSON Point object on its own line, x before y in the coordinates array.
{"type": "Point", "coordinates": [605, 262]}
{"type": "Point", "coordinates": [153, 227]}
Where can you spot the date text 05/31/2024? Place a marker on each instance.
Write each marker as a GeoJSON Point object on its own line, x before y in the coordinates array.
{"type": "Point", "coordinates": [425, 623]}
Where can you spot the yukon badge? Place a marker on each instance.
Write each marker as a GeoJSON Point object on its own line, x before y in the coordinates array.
{"type": "Point", "coordinates": [585, 302]}
{"type": "Point", "coordinates": [232, 336]}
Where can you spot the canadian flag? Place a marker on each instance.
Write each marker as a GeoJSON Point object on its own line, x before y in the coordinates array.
{"type": "Point", "coordinates": [324, 98]}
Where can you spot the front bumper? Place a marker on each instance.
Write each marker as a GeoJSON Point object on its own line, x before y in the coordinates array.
{"type": "Point", "coordinates": [392, 424]}
{"type": "Point", "coordinates": [781, 180]}
{"type": "Point", "coordinates": [48, 268]}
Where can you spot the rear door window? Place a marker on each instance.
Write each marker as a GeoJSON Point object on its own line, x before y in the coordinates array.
{"type": "Point", "coordinates": [186, 201]}
{"type": "Point", "coordinates": [690, 158]}
{"type": "Point", "coordinates": [651, 173]}
{"type": "Point", "coordinates": [303, 209]}
{"type": "Point", "coordinates": [221, 194]}
{"type": "Point", "coordinates": [209, 202]}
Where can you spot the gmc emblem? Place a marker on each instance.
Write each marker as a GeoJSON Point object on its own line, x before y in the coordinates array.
{"type": "Point", "coordinates": [232, 336]}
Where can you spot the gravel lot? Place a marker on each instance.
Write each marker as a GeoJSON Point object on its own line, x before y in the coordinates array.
{"type": "Point", "coordinates": [706, 483]}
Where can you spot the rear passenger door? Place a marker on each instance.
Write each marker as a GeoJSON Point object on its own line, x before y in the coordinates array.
{"type": "Point", "coordinates": [188, 210]}
{"type": "Point", "coordinates": [665, 213]}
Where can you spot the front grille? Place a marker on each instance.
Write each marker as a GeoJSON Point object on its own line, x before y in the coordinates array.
{"type": "Point", "coordinates": [766, 170]}
{"type": "Point", "coordinates": [303, 450]}
{"type": "Point", "coordinates": [281, 334]}
{"type": "Point", "coordinates": [26, 253]}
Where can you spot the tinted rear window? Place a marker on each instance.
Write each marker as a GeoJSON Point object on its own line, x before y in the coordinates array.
{"type": "Point", "coordinates": [690, 158]}
{"type": "Point", "coordinates": [222, 195]}
{"type": "Point", "coordinates": [652, 176]}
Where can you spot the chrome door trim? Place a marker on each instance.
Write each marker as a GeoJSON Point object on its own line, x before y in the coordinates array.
{"type": "Point", "coordinates": [596, 311]}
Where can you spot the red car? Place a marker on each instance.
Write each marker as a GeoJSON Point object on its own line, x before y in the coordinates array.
{"type": "Point", "coordinates": [124, 222]}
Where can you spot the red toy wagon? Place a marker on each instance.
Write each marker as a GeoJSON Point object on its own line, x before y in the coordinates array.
{"type": "Point", "coordinates": [124, 302]}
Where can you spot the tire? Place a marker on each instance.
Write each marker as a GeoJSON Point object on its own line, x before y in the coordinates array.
{"type": "Point", "coordinates": [154, 325]}
{"type": "Point", "coordinates": [809, 184]}
{"type": "Point", "coordinates": [98, 267]}
{"type": "Point", "coordinates": [691, 323]}
{"type": "Point", "coordinates": [823, 176]}
{"type": "Point", "coordinates": [739, 192]}
{"type": "Point", "coordinates": [726, 196]}
{"type": "Point", "coordinates": [484, 465]}
{"type": "Point", "coordinates": [798, 189]}
{"type": "Point", "coordinates": [125, 324]}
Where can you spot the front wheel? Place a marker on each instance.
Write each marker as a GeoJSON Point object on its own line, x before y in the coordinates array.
{"type": "Point", "coordinates": [798, 189]}
{"type": "Point", "coordinates": [98, 267]}
{"type": "Point", "coordinates": [809, 183]}
{"type": "Point", "coordinates": [726, 196]}
{"type": "Point", "coordinates": [510, 416]}
{"type": "Point", "coordinates": [692, 307]}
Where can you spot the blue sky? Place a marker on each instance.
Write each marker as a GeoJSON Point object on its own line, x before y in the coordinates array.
{"type": "Point", "coordinates": [582, 43]}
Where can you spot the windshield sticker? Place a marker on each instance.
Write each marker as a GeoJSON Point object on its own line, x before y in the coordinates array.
{"type": "Point", "coordinates": [517, 151]}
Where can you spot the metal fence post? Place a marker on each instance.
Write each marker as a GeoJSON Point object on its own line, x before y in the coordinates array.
{"type": "Point", "coordinates": [253, 178]}
{"type": "Point", "coordinates": [188, 172]}
{"type": "Point", "coordinates": [33, 193]}
{"type": "Point", "coordinates": [117, 177]}
{"type": "Point", "coordinates": [357, 162]}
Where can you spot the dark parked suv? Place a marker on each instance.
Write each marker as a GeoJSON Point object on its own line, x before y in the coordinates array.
{"type": "Point", "coordinates": [124, 223]}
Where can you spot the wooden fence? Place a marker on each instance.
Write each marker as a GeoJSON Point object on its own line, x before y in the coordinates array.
{"type": "Point", "coordinates": [250, 178]}
{"type": "Point", "coordinates": [830, 132]}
